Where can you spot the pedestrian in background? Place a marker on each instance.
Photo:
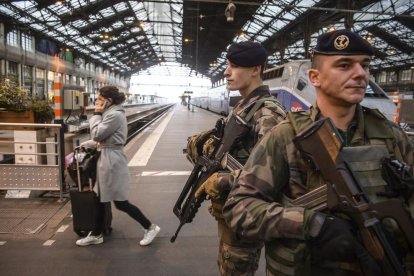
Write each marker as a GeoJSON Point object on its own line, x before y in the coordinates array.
{"type": "Point", "coordinates": [108, 128]}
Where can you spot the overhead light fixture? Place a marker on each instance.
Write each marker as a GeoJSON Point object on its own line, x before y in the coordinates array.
{"type": "Point", "coordinates": [391, 51]}
{"type": "Point", "coordinates": [229, 12]}
{"type": "Point", "coordinates": [105, 36]}
{"type": "Point", "coordinates": [369, 38]}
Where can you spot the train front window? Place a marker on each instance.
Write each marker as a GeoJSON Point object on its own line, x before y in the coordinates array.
{"type": "Point", "coordinates": [301, 84]}
{"type": "Point", "coordinates": [374, 91]}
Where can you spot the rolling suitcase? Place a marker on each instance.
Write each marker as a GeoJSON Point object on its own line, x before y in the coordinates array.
{"type": "Point", "coordinates": [87, 160]}
{"type": "Point", "coordinates": [85, 207]}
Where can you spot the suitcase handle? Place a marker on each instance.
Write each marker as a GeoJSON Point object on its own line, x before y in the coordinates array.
{"type": "Point", "coordinates": [76, 151]}
{"type": "Point", "coordinates": [90, 184]}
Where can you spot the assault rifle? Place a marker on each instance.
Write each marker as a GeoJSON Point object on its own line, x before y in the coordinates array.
{"type": "Point", "coordinates": [187, 204]}
{"type": "Point", "coordinates": [320, 144]}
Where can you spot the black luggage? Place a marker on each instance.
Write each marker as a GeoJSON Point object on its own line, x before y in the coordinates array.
{"type": "Point", "coordinates": [85, 207]}
{"type": "Point", "coordinates": [84, 161]}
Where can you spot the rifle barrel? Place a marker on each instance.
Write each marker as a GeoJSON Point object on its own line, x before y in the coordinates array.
{"type": "Point", "coordinates": [389, 252]}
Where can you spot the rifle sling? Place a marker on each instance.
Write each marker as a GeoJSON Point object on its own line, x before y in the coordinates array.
{"type": "Point", "coordinates": [257, 105]}
{"type": "Point", "coordinates": [232, 120]}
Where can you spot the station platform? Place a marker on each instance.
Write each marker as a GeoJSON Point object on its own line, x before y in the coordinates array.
{"type": "Point", "coordinates": [158, 171]}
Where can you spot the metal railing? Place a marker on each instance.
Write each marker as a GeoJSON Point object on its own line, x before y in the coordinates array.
{"type": "Point", "coordinates": [36, 158]}
{"type": "Point", "coordinates": [17, 174]}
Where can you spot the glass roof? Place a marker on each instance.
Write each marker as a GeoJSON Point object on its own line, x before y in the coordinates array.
{"type": "Point", "coordinates": [101, 28]}
{"type": "Point", "coordinates": [269, 19]}
{"type": "Point", "coordinates": [378, 22]}
{"type": "Point", "coordinates": [107, 31]}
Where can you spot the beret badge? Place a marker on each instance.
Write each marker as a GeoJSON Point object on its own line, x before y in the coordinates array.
{"type": "Point", "coordinates": [341, 42]}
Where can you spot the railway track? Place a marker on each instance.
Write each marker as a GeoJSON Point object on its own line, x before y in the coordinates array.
{"type": "Point", "coordinates": [137, 122]}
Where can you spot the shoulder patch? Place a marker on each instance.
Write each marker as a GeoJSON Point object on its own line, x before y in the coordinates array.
{"type": "Point", "coordinates": [299, 119]}
{"type": "Point", "coordinates": [275, 106]}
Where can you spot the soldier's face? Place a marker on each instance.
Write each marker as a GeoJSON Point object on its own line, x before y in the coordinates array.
{"type": "Point", "coordinates": [238, 78]}
{"type": "Point", "coordinates": [341, 80]}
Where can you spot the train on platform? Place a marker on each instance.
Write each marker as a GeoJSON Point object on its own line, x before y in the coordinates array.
{"type": "Point", "coordinates": [290, 84]}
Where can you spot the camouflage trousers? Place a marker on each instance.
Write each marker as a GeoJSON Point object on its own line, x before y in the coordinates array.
{"type": "Point", "coordinates": [235, 256]}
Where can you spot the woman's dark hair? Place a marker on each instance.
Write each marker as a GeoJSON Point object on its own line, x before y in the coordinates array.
{"type": "Point", "coordinates": [112, 92]}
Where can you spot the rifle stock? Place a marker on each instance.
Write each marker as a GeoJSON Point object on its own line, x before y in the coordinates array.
{"type": "Point", "coordinates": [187, 204]}
{"type": "Point", "coordinates": [320, 145]}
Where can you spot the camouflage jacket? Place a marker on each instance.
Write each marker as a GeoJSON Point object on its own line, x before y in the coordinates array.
{"type": "Point", "coordinates": [264, 119]}
{"type": "Point", "coordinates": [254, 208]}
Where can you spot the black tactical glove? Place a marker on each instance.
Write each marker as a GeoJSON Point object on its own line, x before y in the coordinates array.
{"type": "Point", "coordinates": [398, 177]}
{"type": "Point", "coordinates": [334, 239]}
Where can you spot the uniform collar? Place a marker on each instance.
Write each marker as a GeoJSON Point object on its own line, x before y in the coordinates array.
{"type": "Point", "coordinates": [367, 123]}
{"type": "Point", "coordinates": [358, 119]}
{"type": "Point", "coordinates": [315, 113]}
{"type": "Point", "coordinates": [355, 128]}
{"type": "Point", "coordinates": [262, 90]}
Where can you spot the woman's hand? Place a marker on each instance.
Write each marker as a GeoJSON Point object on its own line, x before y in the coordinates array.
{"type": "Point", "coordinates": [100, 105]}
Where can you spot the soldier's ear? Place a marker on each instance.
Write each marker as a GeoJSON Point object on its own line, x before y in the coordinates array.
{"type": "Point", "coordinates": [314, 77]}
{"type": "Point", "coordinates": [257, 70]}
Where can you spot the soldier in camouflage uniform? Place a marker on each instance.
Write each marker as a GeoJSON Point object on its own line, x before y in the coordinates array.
{"type": "Point", "coordinates": [245, 61]}
{"type": "Point", "coordinates": [299, 241]}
